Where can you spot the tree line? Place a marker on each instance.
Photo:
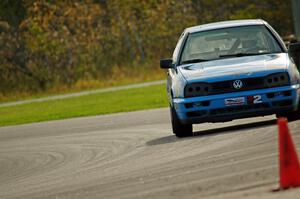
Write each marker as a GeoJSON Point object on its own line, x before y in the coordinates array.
{"type": "Point", "coordinates": [46, 43]}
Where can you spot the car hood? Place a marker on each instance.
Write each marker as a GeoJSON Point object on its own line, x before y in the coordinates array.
{"type": "Point", "coordinates": [232, 68]}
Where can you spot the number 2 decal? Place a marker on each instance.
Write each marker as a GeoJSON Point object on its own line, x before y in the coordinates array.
{"type": "Point", "coordinates": [257, 99]}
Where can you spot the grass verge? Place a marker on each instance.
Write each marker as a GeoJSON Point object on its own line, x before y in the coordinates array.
{"type": "Point", "coordinates": [94, 104]}
{"type": "Point", "coordinates": [117, 77]}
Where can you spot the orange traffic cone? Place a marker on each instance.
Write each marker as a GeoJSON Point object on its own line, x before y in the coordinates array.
{"type": "Point", "coordinates": [288, 159]}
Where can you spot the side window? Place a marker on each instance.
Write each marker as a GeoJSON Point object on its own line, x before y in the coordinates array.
{"type": "Point", "coordinates": [177, 48]}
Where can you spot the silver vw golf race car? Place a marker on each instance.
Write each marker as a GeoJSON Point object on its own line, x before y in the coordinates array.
{"type": "Point", "coordinates": [230, 70]}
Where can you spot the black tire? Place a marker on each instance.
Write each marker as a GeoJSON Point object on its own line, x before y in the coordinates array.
{"type": "Point", "coordinates": [179, 129]}
{"type": "Point", "coordinates": [291, 116]}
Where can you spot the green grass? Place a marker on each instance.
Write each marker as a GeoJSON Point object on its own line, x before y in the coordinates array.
{"type": "Point", "coordinates": [94, 104]}
{"type": "Point", "coordinates": [118, 77]}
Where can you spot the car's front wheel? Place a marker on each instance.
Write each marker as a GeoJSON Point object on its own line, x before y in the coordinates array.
{"type": "Point", "coordinates": [291, 116]}
{"type": "Point", "coordinates": [179, 129]}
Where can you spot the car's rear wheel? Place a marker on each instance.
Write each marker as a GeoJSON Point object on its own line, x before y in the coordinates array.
{"type": "Point", "coordinates": [179, 129]}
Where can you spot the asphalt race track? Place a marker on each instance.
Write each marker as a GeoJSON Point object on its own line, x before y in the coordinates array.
{"type": "Point", "coordinates": [134, 155]}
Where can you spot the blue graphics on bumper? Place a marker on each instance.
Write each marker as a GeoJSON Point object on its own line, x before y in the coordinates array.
{"type": "Point", "coordinates": [229, 106]}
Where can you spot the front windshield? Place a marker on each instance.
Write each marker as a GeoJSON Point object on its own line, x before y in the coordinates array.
{"type": "Point", "coordinates": [229, 42]}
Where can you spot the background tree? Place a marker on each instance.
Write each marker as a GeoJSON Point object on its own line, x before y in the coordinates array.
{"type": "Point", "coordinates": [46, 44]}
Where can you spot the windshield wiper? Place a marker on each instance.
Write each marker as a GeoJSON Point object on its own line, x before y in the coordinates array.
{"type": "Point", "coordinates": [194, 61]}
{"type": "Point", "coordinates": [242, 54]}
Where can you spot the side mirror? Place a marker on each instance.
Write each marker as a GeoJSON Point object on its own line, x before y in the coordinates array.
{"type": "Point", "coordinates": [294, 51]}
{"type": "Point", "coordinates": [166, 63]}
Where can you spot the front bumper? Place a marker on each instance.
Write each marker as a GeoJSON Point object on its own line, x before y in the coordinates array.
{"type": "Point", "coordinates": [212, 108]}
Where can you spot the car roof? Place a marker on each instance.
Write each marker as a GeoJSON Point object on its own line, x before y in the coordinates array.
{"type": "Point", "coordinates": [225, 24]}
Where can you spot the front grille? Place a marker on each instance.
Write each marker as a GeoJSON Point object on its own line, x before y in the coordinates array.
{"type": "Point", "coordinates": [227, 110]}
{"type": "Point", "coordinates": [238, 109]}
{"type": "Point", "coordinates": [196, 114]}
{"type": "Point", "coordinates": [283, 103]}
{"type": "Point", "coordinates": [204, 88]}
{"type": "Point", "coordinates": [227, 86]}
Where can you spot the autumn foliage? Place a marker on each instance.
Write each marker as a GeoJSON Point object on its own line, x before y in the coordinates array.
{"type": "Point", "coordinates": [49, 43]}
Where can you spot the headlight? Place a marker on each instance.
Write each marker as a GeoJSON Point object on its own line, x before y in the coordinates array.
{"type": "Point", "coordinates": [197, 89]}
{"type": "Point", "coordinates": [277, 79]}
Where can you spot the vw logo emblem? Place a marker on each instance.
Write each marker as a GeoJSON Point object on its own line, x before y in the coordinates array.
{"type": "Point", "coordinates": [238, 84]}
